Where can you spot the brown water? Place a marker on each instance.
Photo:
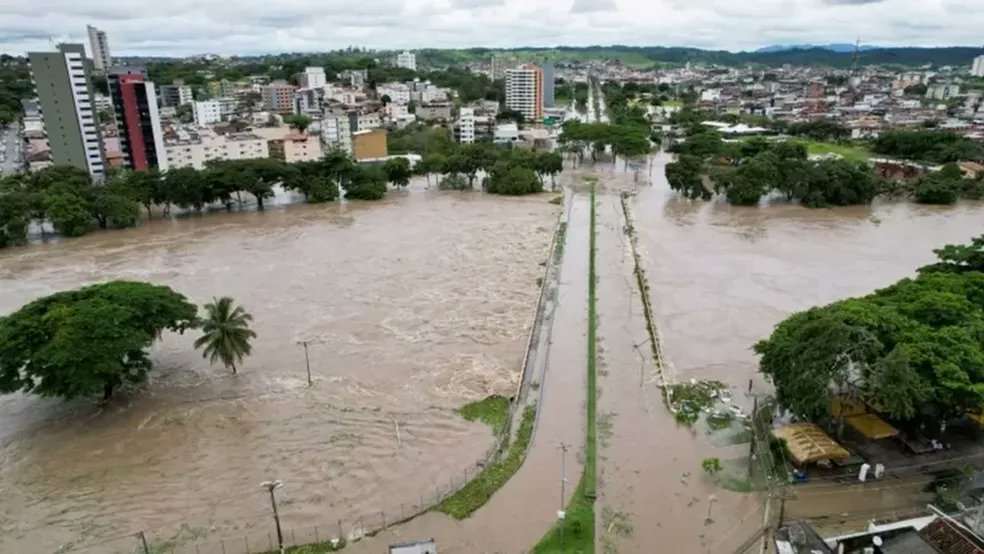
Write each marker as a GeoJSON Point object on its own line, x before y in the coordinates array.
{"type": "Point", "coordinates": [416, 305]}
{"type": "Point", "coordinates": [723, 276]}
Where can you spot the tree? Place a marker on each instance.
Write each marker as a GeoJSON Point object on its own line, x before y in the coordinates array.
{"type": "Point", "coordinates": [113, 210]}
{"type": "Point", "coordinates": [431, 163]}
{"type": "Point", "coordinates": [298, 121]}
{"type": "Point", "coordinates": [913, 349]}
{"type": "Point", "coordinates": [15, 214]}
{"type": "Point", "coordinates": [941, 187]}
{"type": "Point", "coordinates": [225, 333]}
{"type": "Point", "coordinates": [684, 176]}
{"type": "Point", "coordinates": [385, 99]}
{"type": "Point", "coordinates": [398, 171]}
{"type": "Point", "coordinates": [918, 89]}
{"type": "Point", "coordinates": [366, 183]}
{"type": "Point", "coordinates": [506, 178]}
{"type": "Point", "coordinates": [90, 340]}
{"type": "Point", "coordinates": [548, 163]}
{"type": "Point", "coordinates": [68, 214]}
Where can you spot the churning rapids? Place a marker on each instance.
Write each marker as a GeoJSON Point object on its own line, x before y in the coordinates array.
{"type": "Point", "coordinates": [413, 306]}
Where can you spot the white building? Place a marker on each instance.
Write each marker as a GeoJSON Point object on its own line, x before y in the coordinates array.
{"type": "Point", "coordinates": [432, 94]}
{"type": "Point", "coordinates": [977, 68]}
{"type": "Point", "coordinates": [102, 102]}
{"type": "Point", "coordinates": [395, 111]}
{"type": "Point", "coordinates": [399, 93]}
{"type": "Point", "coordinates": [313, 77]}
{"type": "Point", "coordinates": [506, 133]}
{"type": "Point", "coordinates": [524, 91]}
{"type": "Point", "coordinates": [466, 125]}
{"type": "Point", "coordinates": [336, 131]}
{"type": "Point", "coordinates": [407, 60]}
{"type": "Point", "coordinates": [194, 149]}
{"type": "Point", "coordinates": [367, 121]}
{"type": "Point", "coordinates": [176, 95]}
{"type": "Point", "coordinates": [942, 92]}
{"type": "Point", "coordinates": [207, 112]}
{"type": "Point", "coordinates": [99, 49]}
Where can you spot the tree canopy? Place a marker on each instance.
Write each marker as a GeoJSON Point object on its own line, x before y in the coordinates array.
{"type": "Point", "coordinates": [90, 340]}
{"type": "Point", "coordinates": [912, 350]}
{"type": "Point", "coordinates": [928, 145]}
{"type": "Point", "coordinates": [746, 171]}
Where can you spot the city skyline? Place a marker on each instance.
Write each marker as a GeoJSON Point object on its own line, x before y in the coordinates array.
{"type": "Point", "coordinates": [188, 28]}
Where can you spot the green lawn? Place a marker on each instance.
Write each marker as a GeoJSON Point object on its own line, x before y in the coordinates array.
{"type": "Point", "coordinates": [846, 151]}
{"type": "Point", "coordinates": [479, 490]}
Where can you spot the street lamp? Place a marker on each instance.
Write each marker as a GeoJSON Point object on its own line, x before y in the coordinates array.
{"type": "Point", "coordinates": [271, 486]}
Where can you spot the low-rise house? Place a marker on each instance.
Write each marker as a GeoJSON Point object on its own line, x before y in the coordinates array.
{"type": "Point", "coordinates": [434, 112]}
{"type": "Point", "coordinates": [369, 144]}
{"type": "Point", "coordinates": [296, 147]}
{"type": "Point", "coordinates": [193, 149]}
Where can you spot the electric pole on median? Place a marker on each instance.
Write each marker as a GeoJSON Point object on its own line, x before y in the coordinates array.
{"type": "Point", "coordinates": [270, 486]}
{"type": "Point", "coordinates": [561, 515]}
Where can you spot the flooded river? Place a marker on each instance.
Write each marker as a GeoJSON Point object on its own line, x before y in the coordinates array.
{"type": "Point", "coordinates": [723, 276]}
{"type": "Point", "coordinates": [415, 305]}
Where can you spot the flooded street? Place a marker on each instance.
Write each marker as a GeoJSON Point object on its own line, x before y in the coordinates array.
{"type": "Point", "coordinates": [414, 306]}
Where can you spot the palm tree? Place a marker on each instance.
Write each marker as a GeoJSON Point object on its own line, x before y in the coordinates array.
{"type": "Point", "coordinates": [227, 333]}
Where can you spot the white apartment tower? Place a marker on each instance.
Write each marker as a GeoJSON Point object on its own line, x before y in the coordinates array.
{"type": "Point", "coordinates": [524, 91]}
{"type": "Point", "coordinates": [407, 60]}
{"type": "Point", "coordinates": [99, 47]}
{"type": "Point", "coordinates": [313, 77]}
{"type": "Point", "coordinates": [65, 95]}
{"type": "Point", "coordinates": [977, 68]}
{"type": "Point", "coordinates": [466, 125]}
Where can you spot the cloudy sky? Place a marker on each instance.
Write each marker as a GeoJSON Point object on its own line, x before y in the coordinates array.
{"type": "Point", "coordinates": [182, 27]}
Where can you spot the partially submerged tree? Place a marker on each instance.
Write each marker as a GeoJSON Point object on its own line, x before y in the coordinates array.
{"type": "Point", "coordinates": [914, 349]}
{"type": "Point", "coordinates": [226, 333]}
{"type": "Point", "coordinates": [90, 340]}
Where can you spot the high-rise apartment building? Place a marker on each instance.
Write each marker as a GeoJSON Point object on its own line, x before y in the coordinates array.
{"type": "Point", "coordinates": [524, 91]}
{"type": "Point", "coordinates": [407, 60]}
{"type": "Point", "coordinates": [175, 95]}
{"type": "Point", "coordinates": [977, 68]}
{"type": "Point", "coordinates": [313, 77]}
{"type": "Point", "coordinates": [99, 46]}
{"type": "Point", "coordinates": [279, 96]}
{"type": "Point", "coordinates": [61, 80]}
{"type": "Point", "coordinates": [137, 121]}
{"type": "Point", "coordinates": [548, 84]}
{"type": "Point", "coordinates": [465, 129]}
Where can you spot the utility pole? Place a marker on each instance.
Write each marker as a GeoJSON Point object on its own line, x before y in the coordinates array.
{"type": "Point", "coordinates": [561, 515]}
{"type": "Point", "coordinates": [307, 361]}
{"type": "Point", "coordinates": [270, 486]}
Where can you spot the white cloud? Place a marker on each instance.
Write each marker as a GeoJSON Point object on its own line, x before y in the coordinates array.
{"type": "Point", "coordinates": [181, 27]}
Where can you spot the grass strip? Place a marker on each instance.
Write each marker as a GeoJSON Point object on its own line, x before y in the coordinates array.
{"type": "Point", "coordinates": [494, 411]}
{"type": "Point", "coordinates": [576, 535]}
{"type": "Point", "coordinates": [479, 490]}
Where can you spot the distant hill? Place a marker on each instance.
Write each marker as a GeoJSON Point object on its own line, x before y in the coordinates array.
{"type": "Point", "coordinates": [840, 47]}
{"type": "Point", "coordinates": [651, 56]}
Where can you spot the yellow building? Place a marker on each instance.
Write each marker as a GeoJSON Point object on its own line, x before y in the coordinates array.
{"type": "Point", "coordinates": [296, 147]}
{"type": "Point", "coordinates": [369, 144]}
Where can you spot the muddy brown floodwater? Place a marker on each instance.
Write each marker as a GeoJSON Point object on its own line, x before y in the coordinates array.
{"type": "Point", "coordinates": [415, 305]}
{"type": "Point", "coordinates": [723, 276]}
